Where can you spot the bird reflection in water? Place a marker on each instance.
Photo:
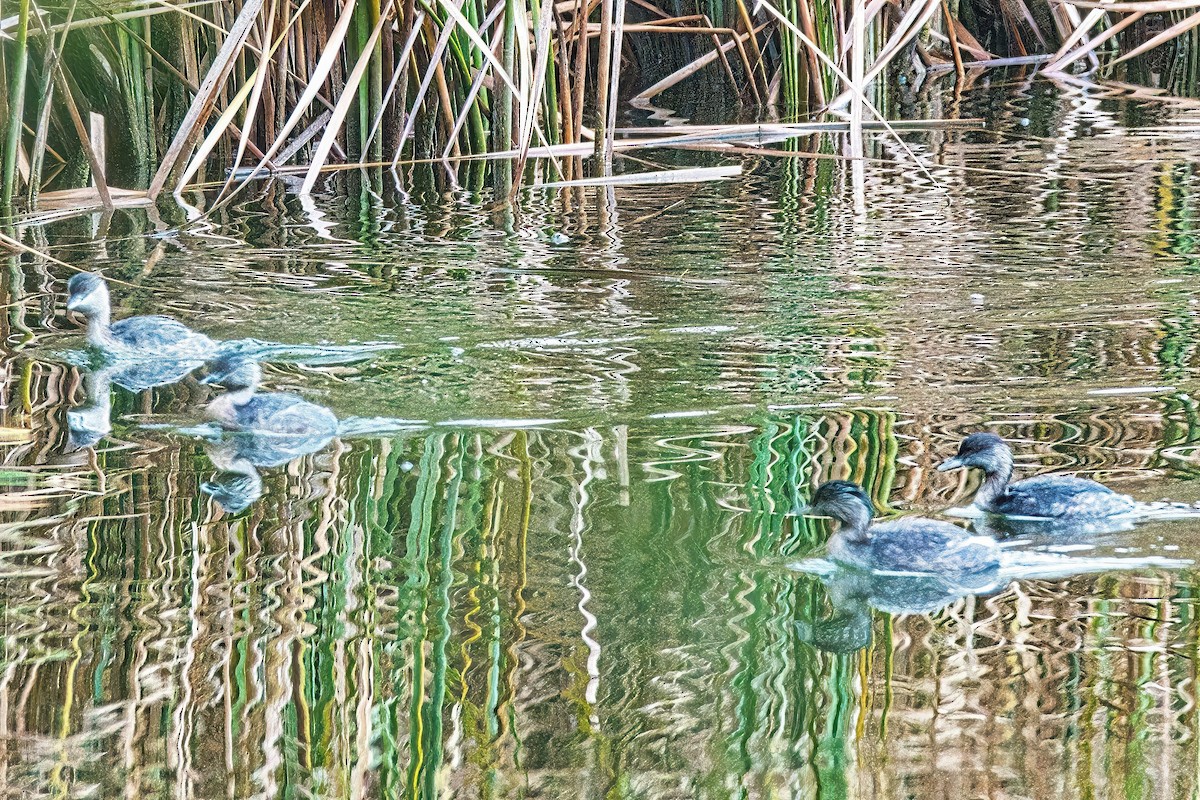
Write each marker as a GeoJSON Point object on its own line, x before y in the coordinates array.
{"type": "Point", "coordinates": [90, 421]}
{"type": "Point", "coordinates": [855, 592]}
{"type": "Point", "coordinates": [140, 352]}
{"type": "Point", "coordinates": [1033, 531]}
{"type": "Point", "coordinates": [915, 565]}
{"type": "Point", "coordinates": [249, 430]}
{"type": "Point", "coordinates": [239, 455]}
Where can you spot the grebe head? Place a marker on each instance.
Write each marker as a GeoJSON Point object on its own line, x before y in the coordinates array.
{"type": "Point", "coordinates": [845, 502]}
{"type": "Point", "coordinates": [985, 451]}
{"type": "Point", "coordinates": [87, 294]}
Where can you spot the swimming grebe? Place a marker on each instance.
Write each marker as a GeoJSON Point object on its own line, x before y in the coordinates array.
{"type": "Point", "coordinates": [1048, 496]}
{"type": "Point", "coordinates": [149, 351]}
{"type": "Point", "coordinates": [913, 545]}
{"type": "Point", "coordinates": [152, 336]}
{"type": "Point", "coordinates": [243, 408]}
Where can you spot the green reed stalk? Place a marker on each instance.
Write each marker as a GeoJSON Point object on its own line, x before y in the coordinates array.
{"type": "Point", "coordinates": [887, 637]}
{"type": "Point", "coordinates": [384, 513]}
{"type": "Point", "coordinates": [495, 651]}
{"type": "Point", "coordinates": [16, 308]}
{"type": "Point", "coordinates": [788, 62]}
{"type": "Point", "coordinates": [62, 766]}
{"type": "Point", "coordinates": [502, 134]}
{"type": "Point", "coordinates": [358, 123]}
{"type": "Point", "coordinates": [795, 463]}
{"type": "Point", "coordinates": [372, 87]}
{"type": "Point", "coordinates": [465, 58]}
{"type": "Point", "coordinates": [471, 61]}
{"type": "Point", "coordinates": [832, 768]}
{"type": "Point", "coordinates": [477, 130]}
{"type": "Point", "coordinates": [37, 156]}
{"type": "Point", "coordinates": [828, 38]}
{"type": "Point", "coordinates": [147, 77]}
{"type": "Point", "coordinates": [137, 104]}
{"type": "Point", "coordinates": [16, 108]}
{"type": "Point", "coordinates": [46, 89]}
{"type": "Point", "coordinates": [877, 449]}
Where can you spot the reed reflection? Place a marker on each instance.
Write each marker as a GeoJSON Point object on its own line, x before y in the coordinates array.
{"type": "Point", "coordinates": [853, 592]}
{"type": "Point", "coordinates": [503, 607]}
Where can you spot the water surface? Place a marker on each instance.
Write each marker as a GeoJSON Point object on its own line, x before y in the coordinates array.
{"type": "Point", "coordinates": [572, 579]}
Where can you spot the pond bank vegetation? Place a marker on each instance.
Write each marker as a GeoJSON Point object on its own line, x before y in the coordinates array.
{"type": "Point", "coordinates": [115, 104]}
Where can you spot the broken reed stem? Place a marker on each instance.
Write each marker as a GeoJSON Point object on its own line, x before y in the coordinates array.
{"type": "Point", "coordinates": [610, 115]}
{"type": "Point", "coordinates": [959, 73]}
{"type": "Point", "coordinates": [81, 130]}
{"type": "Point", "coordinates": [759, 70]}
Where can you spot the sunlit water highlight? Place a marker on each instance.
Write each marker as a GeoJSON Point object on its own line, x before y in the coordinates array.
{"type": "Point", "coordinates": [565, 569]}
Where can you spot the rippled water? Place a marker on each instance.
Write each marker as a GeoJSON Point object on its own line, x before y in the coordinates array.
{"type": "Point", "coordinates": [573, 577]}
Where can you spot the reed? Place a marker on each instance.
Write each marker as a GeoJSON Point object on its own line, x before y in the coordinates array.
{"type": "Point", "coordinates": [18, 68]}
{"type": "Point", "coordinates": [208, 91]}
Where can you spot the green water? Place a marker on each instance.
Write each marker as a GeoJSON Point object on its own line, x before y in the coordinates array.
{"type": "Point", "coordinates": [569, 576]}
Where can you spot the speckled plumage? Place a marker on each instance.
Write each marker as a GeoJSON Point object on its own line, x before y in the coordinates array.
{"type": "Point", "coordinates": [162, 336]}
{"type": "Point", "coordinates": [917, 546]}
{"type": "Point", "coordinates": [279, 413]}
{"type": "Point", "coordinates": [265, 430]}
{"type": "Point", "coordinates": [1059, 496]}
